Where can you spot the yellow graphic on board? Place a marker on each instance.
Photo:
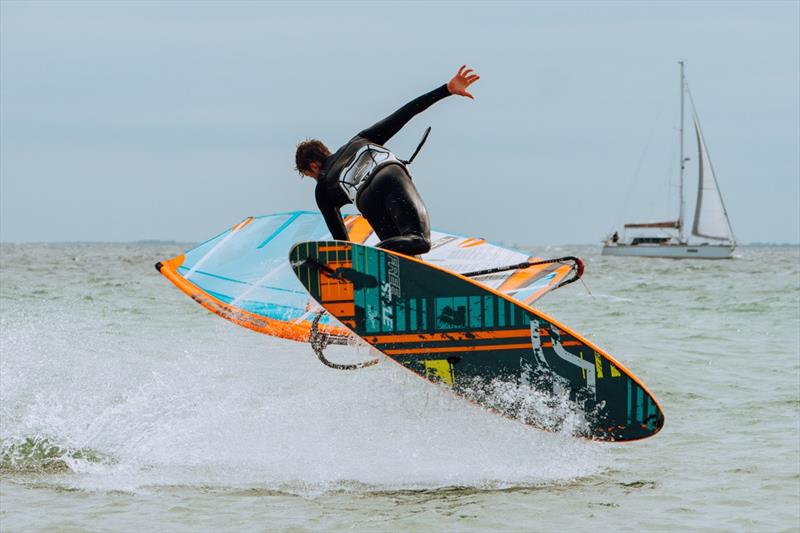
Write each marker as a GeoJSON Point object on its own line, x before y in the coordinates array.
{"type": "Point", "coordinates": [439, 370]}
{"type": "Point", "coordinates": [598, 365]}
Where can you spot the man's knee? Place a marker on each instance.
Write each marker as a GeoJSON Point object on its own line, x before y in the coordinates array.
{"type": "Point", "coordinates": [423, 246]}
{"type": "Point", "coordinates": [407, 244]}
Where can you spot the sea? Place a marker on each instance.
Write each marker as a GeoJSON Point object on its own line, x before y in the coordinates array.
{"type": "Point", "coordinates": [125, 406]}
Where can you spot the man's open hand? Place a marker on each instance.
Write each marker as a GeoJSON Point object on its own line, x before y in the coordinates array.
{"type": "Point", "coordinates": [463, 79]}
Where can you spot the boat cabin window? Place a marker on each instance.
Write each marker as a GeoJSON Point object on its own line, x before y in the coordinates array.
{"type": "Point", "coordinates": [650, 240]}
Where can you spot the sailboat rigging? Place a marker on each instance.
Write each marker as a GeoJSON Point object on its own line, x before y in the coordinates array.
{"type": "Point", "coordinates": [711, 235]}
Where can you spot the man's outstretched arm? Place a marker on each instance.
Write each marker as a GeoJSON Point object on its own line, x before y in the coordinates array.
{"type": "Point", "coordinates": [384, 130]}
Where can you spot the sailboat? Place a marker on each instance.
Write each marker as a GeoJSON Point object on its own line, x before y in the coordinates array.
{"type": "Point", "coordinates": [711, 233]}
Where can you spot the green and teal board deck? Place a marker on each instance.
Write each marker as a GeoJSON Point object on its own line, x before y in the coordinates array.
{"type": "Point", "coordinates": [484, 346]}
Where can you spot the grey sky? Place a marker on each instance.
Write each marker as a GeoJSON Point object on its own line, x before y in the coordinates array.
{"type": "Point", "coordinates": [175, 120]}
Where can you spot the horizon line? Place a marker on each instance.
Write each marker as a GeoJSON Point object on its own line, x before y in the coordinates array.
{"type": "Point", "coordinates": [174, 241]}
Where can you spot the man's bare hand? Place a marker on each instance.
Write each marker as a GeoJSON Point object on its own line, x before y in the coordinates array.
{"type": "Point", "coordinates": [463, 79]}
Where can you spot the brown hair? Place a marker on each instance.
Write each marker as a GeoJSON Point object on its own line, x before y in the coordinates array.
{"type": "Point", "coordinates": [311, 151]}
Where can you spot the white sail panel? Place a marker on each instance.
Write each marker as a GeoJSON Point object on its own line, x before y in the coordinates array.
{"type": "Point", "coordinates": [710, 218]}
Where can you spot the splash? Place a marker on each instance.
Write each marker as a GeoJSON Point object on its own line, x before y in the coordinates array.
{"type": "Point", "coordinates": [221, 407]}
{"type": "Point", "coordinates": [539, 404]}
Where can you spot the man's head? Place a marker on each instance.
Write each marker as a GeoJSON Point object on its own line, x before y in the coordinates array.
{"type": "Point", "coordinates": [309, 157]}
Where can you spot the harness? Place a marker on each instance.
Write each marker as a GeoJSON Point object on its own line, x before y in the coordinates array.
{"type": "Point", "coordinates": [366, 162]}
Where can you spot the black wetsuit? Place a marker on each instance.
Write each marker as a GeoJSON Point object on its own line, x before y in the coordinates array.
{"type": "Point", "coordinates": [388, 199]}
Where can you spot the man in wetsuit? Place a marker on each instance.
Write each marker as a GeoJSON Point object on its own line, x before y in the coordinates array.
{"type": "Point", "coordinates": [364, 173]}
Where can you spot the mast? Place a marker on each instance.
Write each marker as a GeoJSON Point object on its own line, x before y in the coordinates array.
{"type": "Point", "coordinates": [683, 162]}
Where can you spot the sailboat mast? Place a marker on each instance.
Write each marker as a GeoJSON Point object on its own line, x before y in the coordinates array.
{"type": "Point", "coordinates": [683, 162]}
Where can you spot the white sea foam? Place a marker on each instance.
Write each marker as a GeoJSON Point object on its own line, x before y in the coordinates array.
{"type": "Point", "coordinates": [236, 409]}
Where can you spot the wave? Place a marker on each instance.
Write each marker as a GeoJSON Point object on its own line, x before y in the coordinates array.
{"type": "Point", "coordinates": [41, 455]}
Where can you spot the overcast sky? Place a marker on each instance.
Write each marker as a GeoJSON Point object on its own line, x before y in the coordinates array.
{"type": "Point", "coordinates": [174, 120]}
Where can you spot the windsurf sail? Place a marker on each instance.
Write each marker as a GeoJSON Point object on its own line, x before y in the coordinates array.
{"type": "Point", "coordinates": [244, 276]}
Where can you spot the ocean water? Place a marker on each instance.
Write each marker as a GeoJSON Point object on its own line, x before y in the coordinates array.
{"type": "Point", "coordinates": [125, 406]}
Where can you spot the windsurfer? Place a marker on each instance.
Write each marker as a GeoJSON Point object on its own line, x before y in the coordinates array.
{"type": "Point", "coordinates": [364, 173]}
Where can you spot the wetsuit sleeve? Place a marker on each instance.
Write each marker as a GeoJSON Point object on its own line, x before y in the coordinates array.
{"type": "Point", "coordinates": [332, 215]}
{"type": "Point", "coordinates": [384, 130]}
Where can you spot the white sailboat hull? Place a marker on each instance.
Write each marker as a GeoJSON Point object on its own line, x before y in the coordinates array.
{"type": "Point", "coordinates": [671, 251]}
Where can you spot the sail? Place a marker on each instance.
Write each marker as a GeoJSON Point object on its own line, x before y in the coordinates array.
{"type": "Point", "coordinates": [710, 218]}
{"type": "Point", "coordinates": [244, 276]}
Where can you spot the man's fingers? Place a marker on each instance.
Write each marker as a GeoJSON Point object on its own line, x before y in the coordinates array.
{"type": "Point", "coordinates": [463, 79]}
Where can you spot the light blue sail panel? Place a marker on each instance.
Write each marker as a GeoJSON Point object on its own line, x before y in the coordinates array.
{"type": "Point", "coordinates": [248, 267]}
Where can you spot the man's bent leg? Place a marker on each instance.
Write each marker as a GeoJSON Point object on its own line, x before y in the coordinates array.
{"type": "Point", "coordinates": [394, 208]}
{"type": "Point", "coordinates": [408, 213]}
